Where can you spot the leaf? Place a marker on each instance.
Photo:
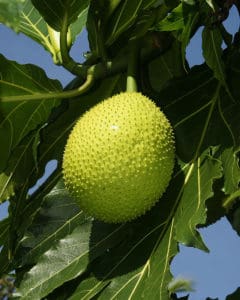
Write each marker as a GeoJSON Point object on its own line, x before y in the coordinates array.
{"type": "Point", "coordinates": [65, 261]}
{"type": "Point", "coordinates": [9, 12]}
{"type": "Point", "coordinates": [167, 66]}
{"type": "Point", "coordinates": [58, 216]}
{"type": "Point", "coordinates": [189, 28]}
{"type": "Point", "coordinates": [139, 267]}
{"type": "Point", "coordinates": [173, 21]}
{"type": "Point", "coordinates": [19, 164]}
{"type": "Point", "coordinates": [54, 12]}
{"type": "Point", "coordinates": [22, 211]}
{"type": "Point", "coordinates": [184, 19]}
{"type": "Point", "coordinates": [32, 24]}
{"type": "Point", "coordinates": [7, 187]}
{"type": "Point", "coordinates": [212, 52]}
{"type": "Point", "coordinates": [231, 171]}
{"type": "Point", "coordinates": [213, 138]}
{"type": "Point", "coordinates": [124, 17]}
{"type": "Point", "coordinates": [235, 295]}
{"type": "Point", "coordinates": [19, 118]}
{"type": "Point", "coordinates": [199, 179]}
{"type": "Point", "coordinates": [234, 217]}
{"type": "Point", "coordinates": [4, 226]}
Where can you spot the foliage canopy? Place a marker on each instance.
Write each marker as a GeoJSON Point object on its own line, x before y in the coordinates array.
{"type": "Point", "coordinates": [56, 250]}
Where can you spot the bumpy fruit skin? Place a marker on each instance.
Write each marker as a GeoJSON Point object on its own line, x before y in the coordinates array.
{"type": "Point", "coordinates": [119, 158]}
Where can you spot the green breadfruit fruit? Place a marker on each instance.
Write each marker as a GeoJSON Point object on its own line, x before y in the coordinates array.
{"type": "Point", "coordinates": [119, 158]}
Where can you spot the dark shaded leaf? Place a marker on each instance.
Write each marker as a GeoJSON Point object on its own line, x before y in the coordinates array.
{"type": "Point", "coordinates": [166, 67]}
{"type": "Point", "coordinates": [235, 295]}
{"type": "Point", "coordinates": [188, 30]}
{"type": "Point", "coordinates": [4, 230]}
{"type": "Point", "coordinates": [234, 216]}
{"type": "Point", "coordinates": [57, 12]}
{"type": "Point", "coordinates": [124, 16]}
{"type": "Point", "coordinates": [212, 52]}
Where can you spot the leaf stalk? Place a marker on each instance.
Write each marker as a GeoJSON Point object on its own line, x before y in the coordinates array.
{"type": "Point", "coordinates": [67, 60]}
{"type": "Point", "coordinates": [57, 95]}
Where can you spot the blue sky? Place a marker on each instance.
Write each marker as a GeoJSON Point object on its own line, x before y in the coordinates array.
{"type": "Point", "coordinates": [215, 274]}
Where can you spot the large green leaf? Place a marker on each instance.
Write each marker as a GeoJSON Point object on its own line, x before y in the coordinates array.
{"type": "Point", "coordinates": [19, 118]}
{"type": "Point", "coordinates": [66, 260]}
{"type": "Point", "coordinates": [55, 12]}
{"type": "Point", "coordinates": [137, 268]}
{"type": "Point", "coordinates": [23, 17]}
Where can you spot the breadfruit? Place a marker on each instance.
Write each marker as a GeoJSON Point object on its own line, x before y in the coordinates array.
{"type": "Point", "coordinates": [119, 158]}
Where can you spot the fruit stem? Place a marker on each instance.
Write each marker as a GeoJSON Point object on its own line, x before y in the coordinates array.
{"type": "Point", "coordinates": [132, 67]}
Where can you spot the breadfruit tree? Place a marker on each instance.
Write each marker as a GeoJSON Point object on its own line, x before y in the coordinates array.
{"type": "Point", "coordinates": [51, 246]}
